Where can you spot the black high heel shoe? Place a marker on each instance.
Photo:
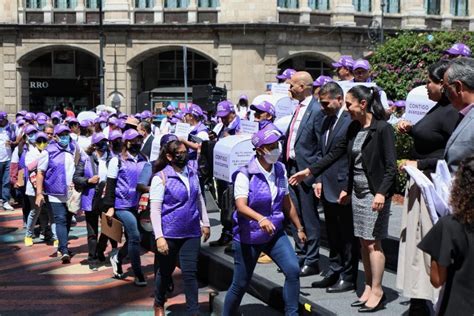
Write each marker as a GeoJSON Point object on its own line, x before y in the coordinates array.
{"type": "Point", "coordinates": [358, 303]}
{"type": "Point", "coordinates": [380, 305]}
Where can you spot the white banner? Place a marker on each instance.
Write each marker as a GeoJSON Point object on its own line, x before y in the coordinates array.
{"type": "Point", "coordinates": [248, 127]}
{"type": "Point", "coordinates": [417, 104]}
{"type": "Point", "coordinates": [231, 153]}
{"type": "Point", "coordinates": [183, 130]}
{"type": "Point", "coordinates": [280, 89]}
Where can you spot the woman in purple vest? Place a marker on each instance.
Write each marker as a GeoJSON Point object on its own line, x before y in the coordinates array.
{"type": "Point", "coordinates": [89, 178]}
{"type": "Point", "coordinates": [55, 171]}
{"type": "Point", "coordinates": [199, 133]}
{"type": "Point", "coordinates": [121, 199]}
{"type": "Point", "coordinates": [262, 202]}
{"type": "Point", "coordinates": [179, 219]}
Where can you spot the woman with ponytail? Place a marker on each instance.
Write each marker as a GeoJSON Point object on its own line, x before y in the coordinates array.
{"type": "Point", "coordinates": [370, 146]}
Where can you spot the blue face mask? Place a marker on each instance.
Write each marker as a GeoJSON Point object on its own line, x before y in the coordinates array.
{"type": "Point", "coordinates": [64, 140]}
{"type": "Point", "coordinates": [32, 138]}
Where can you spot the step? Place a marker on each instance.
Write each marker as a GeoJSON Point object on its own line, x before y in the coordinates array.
{"type": "Point", "coordinates": [249, 306]}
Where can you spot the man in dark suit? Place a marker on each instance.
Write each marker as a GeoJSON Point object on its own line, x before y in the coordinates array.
{"type": "Point", "coordinates": [300, 151]}
{"type": "Point", "coordinates": [343, 255]}
{"type": "Point", "coordinates": [144, 128]}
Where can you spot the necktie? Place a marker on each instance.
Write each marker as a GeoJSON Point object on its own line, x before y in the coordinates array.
{"type": "Point", "coordinates": [332, 121]}
{"type": "Point", "coordinates": [290, 134]}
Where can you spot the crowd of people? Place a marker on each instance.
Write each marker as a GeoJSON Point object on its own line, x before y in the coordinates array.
{"type": "Point", "coordinates": [338, 150]}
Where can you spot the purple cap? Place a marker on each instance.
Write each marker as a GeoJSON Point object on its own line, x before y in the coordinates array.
{"type": "Point", "coordinates": [41, 120]}
{"type": "Point", "coordinates": [130, 134]}
{"type": "Point", "coordinates": [73, 120]}
{"type": "Point", "coordinates": [20, 122]}
{"type": "Point", "coordinates": [224, 108]}
{"type": "Point", "coordinates": [399, 104]}
{"type": "Point", "coordinates": [100, 119]}
{"type": "Point", "coordinates": [165, 139]}
{"type": "Point", "coordinates": [264, 107]}
{"type": "Point", "coordinates": [138, 116]}
{"type": "Point", "coordinates": [58, 129]}
{"type": "Point", "coordinates": [56, 114]}
{"type": "Point", "coordinates": [113, 121]}
{"type": "Point", "coordinates": [30, 129]}
{"type": "Point", "coordinates": [390, 103]}
{"type": "Point", "coordinates": [361, 63]}
{"type": "Point", "coordinates": [41, 135]}
{"type": "Point", "coordinates": [173, 120]}
{"type": "Point", "coordinates": [115, 134]}
{"type": "Point", "coordinates": [170, 108]}
{"type": "Point", "coordinates": [85, 123]}
{"type": "Point", "coordinates": [30, 116]}
{"type": "Point", "coordinates": [265, 136]}
{"type": "Point", "coordinates": [194, 110]}
{"type": "Point", "coordinates": [179, 116]}
{"type": "Point", "coordinates": [146, 115]}
{"type": "Point", "coordinates": [243, 97]}
{"type": "Point", "coordinates": [3, 116]}
{"type": "Point", "coordinates": [22, 113]}
{"type": "Point", "coordinates": [97, 137]}
{"type": "Point", "coordinates": [286, 74]}
{"type": "Point", "coordinates": [459, 49]}
{"type": "Point", "coordinates": [321, 81]}
{"type": "Point", "coordinates": [122, 116]}
{"type": "Point", "coordinates": [344, 61]}
{"type": "Point", "coordinates": [121, 122]}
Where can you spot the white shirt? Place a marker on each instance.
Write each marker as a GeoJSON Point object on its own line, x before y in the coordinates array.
{"type": "Point", "coordinates": [105, 131]}
{"type": "Point", "coordinates": [303, 107]}
{"type": "Point", "coordinates": [203, 135]}
{"type": "Point", "coordinates": [113, 169]}
{"type": "Point", "coordinates": [165, 126]}
{"type": "Point", "coordinates": [84, 142]}
{"type": "Point", "coordinates": [242, 183]}
{"type": "Point", "coordinates": [157, 188]}
{"type": "Point", "coordinates": [15, 156]}
{"type": "Point", "coordinates": [69, 169]}
{"type": "Point", "coordinates": [31, 156]}
{"type": "Point", "coordinates": [5, 150]}
{"type": "Point", "coordinates": [338, 115]}
{"type": "Point", "coordinates": [102, 168]}
{"type": "Point", "coordinates": [74, 136]}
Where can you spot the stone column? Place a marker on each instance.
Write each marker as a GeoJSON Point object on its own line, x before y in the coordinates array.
{"type": "Point", "coordinates": [271, 63]}
{"type": "Point", "coordinates": [224, 68]}
{"type": "Point", "coordinates": [80, 12]}
{"type": "Point", "coordinates": [48, 12]}
{"type": "Point", "coordinates": [377, 9]}
{"type": "Point", "coordinates": [305, 12]}
{"type": "Point", "coordinates": [413, 15]}
{"type": "Point", "coordinates": [10, 96]}
{"type": "Point", "coordinates": [116, 48]}
{"type": "Point", "coordinates": [158, 12]}
{"type": "Point", "coordinates": [342, 13]}
{"type": "Point", "coordinates": [21, 13]}
{"type": "Point", "coordinates": [117, 12]}
{"type": "Point", "coordinates": [471, 15]}
{"type": "Point", "coordinates": [447, 17]}
{"type": "Point", "coordinates": [192, 11]}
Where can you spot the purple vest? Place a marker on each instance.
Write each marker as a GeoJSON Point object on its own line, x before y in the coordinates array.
{"type": "Point", "coordinates": [55, 176]}
{"type": "Point", "coordinates": [88, 193]}
{"type": "Point", "coordinates": [126, 195]}
{"type": "Point", "coordinates": [248, 231]}
{"type": "Point", "coordinates": [180, 216]}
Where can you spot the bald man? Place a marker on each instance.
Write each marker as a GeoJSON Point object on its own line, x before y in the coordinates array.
{"type": "Point", "coordinates": [300, 148]}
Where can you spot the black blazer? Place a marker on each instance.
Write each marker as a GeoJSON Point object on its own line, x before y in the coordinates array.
{"type": "Point", "coordinates": [335, 178]}
{"type": "Point", "coordinates": [378, 157]}
{"type": "Point", "coordinates": [307, 138]}
{"type": "Point", "coordinates": [146, 150]}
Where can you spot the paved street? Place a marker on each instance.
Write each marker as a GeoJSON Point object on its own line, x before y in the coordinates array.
{"type": "Point", "coordinates": [34, 282]}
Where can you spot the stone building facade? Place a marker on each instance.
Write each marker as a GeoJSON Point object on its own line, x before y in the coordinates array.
{"type": "Point", "coordinates": [51, 47]}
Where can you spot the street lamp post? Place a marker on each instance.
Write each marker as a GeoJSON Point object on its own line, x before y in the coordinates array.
{"type": "Point", "coordinates": [382, 5]}
{"type": "Point", "coordinates": [101, 54]}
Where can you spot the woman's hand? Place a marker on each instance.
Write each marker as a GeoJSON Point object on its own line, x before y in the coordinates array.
{"type": "Point", "coordinates": [302, 237]}
{"type": "Point", "coordinates": [94, 180]}
{"type": "Point", "coordinates": [39, 200]}
{"type": "Point", "coordinates": [162, 246]}
{"type": "Point", "coordinates": [318, 188]}
{"type": "Point", "coordinates": [110, 212]}
{"type": "Point", "coordinates": [404, 163]}
{"type": "Point", "coordinates": [379, 202]}
{"type": "Point", "coordinates": [206, 233]}
{"type": "Point", "coordinates": [298, 177]}
{"type": "Point", "coordinates": [344, 198]}
{"type": "Point", "coordinates": [404, 126]}
{"type": "Point", "coordinates": [267, 226]}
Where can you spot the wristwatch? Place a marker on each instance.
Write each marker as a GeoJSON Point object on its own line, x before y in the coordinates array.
{"type": "Point", "coordinates": [300, 230]}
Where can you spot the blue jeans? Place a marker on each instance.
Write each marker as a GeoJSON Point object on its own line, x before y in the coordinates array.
{"type": "Point", "coordinates": [187, 250]}
{"type": "Point", "coordinates": [130, 223]}
{"type": "Point", "coordinates": [245, 259]}
{"type": "Point", "coordinates": [5, 178]}
{"type": "Point", "coordinates": [62, 218]}
{"type": "Point", "coordinates": [33, 218]}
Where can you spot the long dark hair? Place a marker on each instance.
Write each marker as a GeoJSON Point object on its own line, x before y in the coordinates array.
{"type": "Point", "coordinates": [169, 148]}
{"type": "Point", "coordinates": [436, 73]}
{"type": "Point", "coordinates": [372, 96]}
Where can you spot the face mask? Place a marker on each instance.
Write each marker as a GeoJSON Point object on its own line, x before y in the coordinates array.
{"type": "Point", "coordinates": [180, 161]}
{"type": "Point", "coordinates": [134, 148]}
{"type": "Point", "coordinates": [263, 123]}
{"type": "Point", "coordinates": [64, 140]}
{"type": "Point", "coordinates": [55, 121]}
{"type": "Point", "coordinates": [41, 145]}
{"type": "Point", "coordinates": [40, 127]}
{"type": "Point", "coordinates": [116, 147]}
{"type": "Point", "coordinates": [172, 129]}
{"type": "Point", "coordinates": [32, 138]}
{"type": "Point", "coordinates": [103, 125]}
{"type": "Point", "coordinates": [272, 156]}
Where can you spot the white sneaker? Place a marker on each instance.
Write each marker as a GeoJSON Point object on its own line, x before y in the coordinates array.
{"type": "Point", "coordinates": [7, 207]}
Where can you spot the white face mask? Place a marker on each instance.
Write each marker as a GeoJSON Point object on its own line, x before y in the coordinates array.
{"type": "Point", "coordinates": [103, 125]}
{"type": "Point", "coordinates": [272, 156]}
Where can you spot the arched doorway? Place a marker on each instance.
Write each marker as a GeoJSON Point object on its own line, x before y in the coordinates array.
{"type": "Point", "coordinates": [160, 77]}
{"type": "Point", "coordinates": [312, 63]}
{"type": "Point", "coordinates": [61, 76]}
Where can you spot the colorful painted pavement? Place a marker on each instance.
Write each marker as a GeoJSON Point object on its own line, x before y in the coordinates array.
{"type": "Point", "coordinates": [33, 281]}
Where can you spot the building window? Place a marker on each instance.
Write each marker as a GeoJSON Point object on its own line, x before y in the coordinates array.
{"type": "Point", "coordinates": [288, 4]}
{"type": "Point", "coordinates": [93, 4]}
{"type": "Point", "coordinates": [144, 4]}
{"type": "Point", "coordinates": [459, 7]}
{"type": "Point", "coordinates": [208, 3]}
{"type": "Point", "coordinates": [35, 4]}
{"type": "Point", "coordinates": [433, 7]}
{"type": "Point", "coordinates": [318, 4]}
{"type": "Point", "coordinates": [176, 4]}
{"type": "Point", "coordinates": [362, 5]}
{"type": "Point", "coordinates": [65, 4]}
{"type": "Point", "coordinates": [392, 6]}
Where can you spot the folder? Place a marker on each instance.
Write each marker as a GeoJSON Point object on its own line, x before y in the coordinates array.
{"type": "Point", "coordinates": [111, 227]}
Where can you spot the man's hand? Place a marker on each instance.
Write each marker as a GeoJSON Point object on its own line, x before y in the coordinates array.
{"type": "Point", "coordinates": [378, 203]}
{"type": "Point", "coordinates": [318, 188]}
{"type": "Point", "coordinates": [206, 233]}
{"type": "Point", "coordinates": [94, 180]}
{"type": "Point", "coordinates": [298, 177]}
{"type": "Point", "coordinates": [344, 198]}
